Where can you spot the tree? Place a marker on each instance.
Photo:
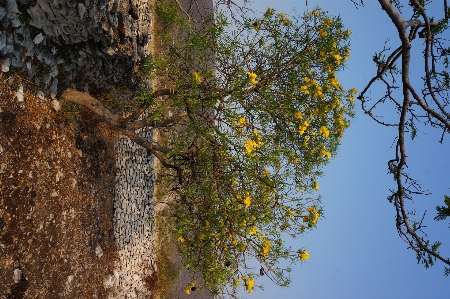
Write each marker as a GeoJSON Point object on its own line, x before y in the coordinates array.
{"type": "Point", "coordinates": [252, 113]}
{"type": "Point", "coordinates": [427, 104]}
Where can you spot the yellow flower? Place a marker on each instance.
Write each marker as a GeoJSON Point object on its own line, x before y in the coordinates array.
{"type": "Point", "coordinates": [353, 91]}
{"type": "Point", "coordinates": [252, 77]}
{"type": "Point", "coordinates": [304, 89]}
{"type": "Point", "coordinates": [319, 94]}
{"type": "Point", "coordinates": [181, 239]}
{"type": "Point", "coordinates": [281, 15]}
{"type": "Point", "coordinates": [235, 281]}
{"type": "Point", "coordinates": [298, 115]}
{"type": "Point", "coordinates": [338, 58]}
{"type": "Point", "coordinates": [249, 285]}
{"type": "Point", "coordinates": [265, 172]}
{"type": "Point", "coordinates": [253, 230]}
{"type": "Point", "coordinates": [286, 21]}
{"type": "Point", "coordinates": [265, 248]}
{"type": "Point", "coordinates": [187, 290]}
{"type": "Point", "coordinates": [322, 33]}
{"type": "Point", "coordinates": [304, 256]}
{"type": "Point", "coordinates": [255, 26]}
{"type": "Point", "coordinates": [197, 77]}
{"type": "Point", "coordinates": [242, 121]}
{"type": "Point", "coordinates": [247, 201]}
{"type": "Point", "coordinates": [306, 79]}
{"type": "Point", "coordinates": [316, 186]}
{"type": "Point", "coordinates": [327, 22]}
{"type": "Point", "coordinates": [335, 82]}
{"type": "Point", "coordinates": [306, 123]}
{"type": "Point", "coordinates": [324, 131]}
{"type": "Point", "coordinates": [301, 130]}
{"type": "Point", "coordinates": [310, 13]}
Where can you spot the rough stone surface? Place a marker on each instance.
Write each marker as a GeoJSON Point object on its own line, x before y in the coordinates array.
{"type": "Point", "coordinates": [133, 232]}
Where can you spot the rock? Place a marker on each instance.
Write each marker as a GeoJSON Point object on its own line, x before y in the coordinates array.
{"type": "Point", "coordinates": [5, 65]}
{"type": "Point", "coordinates": [56, 106]}
{"type": "Point", "coordinates": [98, 251]}
{"type": "Point", "coordinates": [17, 275]}
{"type": "Point", "coordinates": [3, 167]}
{"type": "Point", "coordinates": [38, 38]}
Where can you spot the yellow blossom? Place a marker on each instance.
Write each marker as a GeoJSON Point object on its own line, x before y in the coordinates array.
{"type": "Point", "coordinates": [322, 33]}
{"type": "Point", "coordinates": [324, 131]}
{"type": "Point", "coordinates": [265, 248]}
{"type": "Point", "coordinates": [316, 186]}
{"type": "Point", "coordinates": [181, 239]}
{"type": "Point", "coordinates": [249, 285]}
{"type": "Point", "coordinates": [353, 91]}
{"type": "Point", "coordinates": [187, 290]}
{"type": "Point", "coordinates": [319, 94]}
{"type": "Point", "coordinates": [255, 26]}
{"type": "Point", "coordinates": [252, 77]}
{"type": "Point", "coordinates": [286, 21]}
{"type": "Point", "coordinates": [304, 89]}
{"type": "Point", "coordinates": [247, 201]}
{"type": "Point", "coordinates": [304, 256]}
{"type": "Point", "coordinates": [253, 230]}
{"type": "Point", "coordinates": [235, 281]}
{"type": "Point", "coordinates": [306, 79]}
{"type": "Point", "coordinates": [265, 172]}
{"type": "Point", "coordinates": [335, 82]}
{"type": "Point", "coordinates": [242, 121]}
{"type": "Point", "coordinates": [298, 115]}
{"type": "Point", "coordinates": [310, 13]}
{"type": "Point", "coordinates": [197, 77]}
{"type": "Point", "coordinates": [281, 15]}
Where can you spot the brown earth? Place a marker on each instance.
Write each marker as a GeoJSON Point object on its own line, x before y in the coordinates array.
{"type": "Point", "coordinates": [56, 200]}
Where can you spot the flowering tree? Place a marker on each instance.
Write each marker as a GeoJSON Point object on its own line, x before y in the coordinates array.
{"type": "Point", "coordinates": [251, 115]}
{"type": "Point", "coordinates": [427, 104]}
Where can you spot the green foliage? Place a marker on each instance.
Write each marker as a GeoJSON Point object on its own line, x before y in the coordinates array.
{"type": "Point", "coordinates": [265, 112]}
{"type": "Point", "coordinates": [443, 211]}
{"type": "Point", "coordinates": [168, 14]}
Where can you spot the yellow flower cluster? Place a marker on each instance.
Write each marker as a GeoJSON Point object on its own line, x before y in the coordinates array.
{"type": "Point", "coordinates": [304, 256]}
{"type": "Point", "coordinates": [265, 248]}
{"type": "Point", "coordinates": [252, 77]}
{"type": "Point", "coordinates": [324, 131]}
{"type": "Point", "coordinates": [181, 239]}
{"type": "Point", "coordinates": [304, 89]}
{"type": "Point", "coordinates": [335, 82]}
{"type": "Point", "coordinates": [242, 121]}
{"type": "Point", "coordinates": [253, 230]}
{"type": "Point", "coordinates": [327, 22]}
{"type": "Point", "coordinates": [198, 79]}
{"type": "Point", "coordinates": [325, 152]}
{"type": "Point", "coordinates": [250, 145]}
{"type": "Point", "coordinates": [314, 215]}
{"type": "Point", "coordinates": [249, 283]}
{"type": "Point", "coordinates": [247, 201]}
{"type": "Point", "coordinates": [301, 130]}
{"type": "Point", "coordinates": [316, 186]}
{"type": "Point", "coordinates": [322, 33]}
{"type": "Point", "coordinates": [298, 115]}
{"type": "Point", "coordinates": [187, 289]}
{"type": "Point", "coordinates": [338, 58]}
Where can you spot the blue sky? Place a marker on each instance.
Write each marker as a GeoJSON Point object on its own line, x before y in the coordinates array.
{"type": "Point", "coordinates": [356, 252]}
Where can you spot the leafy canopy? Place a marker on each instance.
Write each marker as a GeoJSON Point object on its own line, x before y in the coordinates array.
{"type": "Point", "coordinates": [264, 113]}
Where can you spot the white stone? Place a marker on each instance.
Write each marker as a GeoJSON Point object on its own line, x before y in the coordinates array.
{"type": "Point", "coordinates": [17, 276]}
{"type": "Point", "coordinates": [5, 65]}
{"type": "Point", "coordinates": [38, 38]}
{"type": "Point", "coordinates": [56, 106]}
{"type": "Point", "coordinates": [98, 251]}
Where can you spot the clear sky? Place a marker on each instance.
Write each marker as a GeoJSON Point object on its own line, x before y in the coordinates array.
{"type": "Point", "coordinates": [356, 252]}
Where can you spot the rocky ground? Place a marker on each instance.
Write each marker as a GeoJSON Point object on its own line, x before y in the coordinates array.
{"type": "Point", "coordinates": [56, 201]}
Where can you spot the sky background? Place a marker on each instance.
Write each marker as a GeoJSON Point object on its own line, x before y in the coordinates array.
{"type": "Point", "coordinates": [356, 252]}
